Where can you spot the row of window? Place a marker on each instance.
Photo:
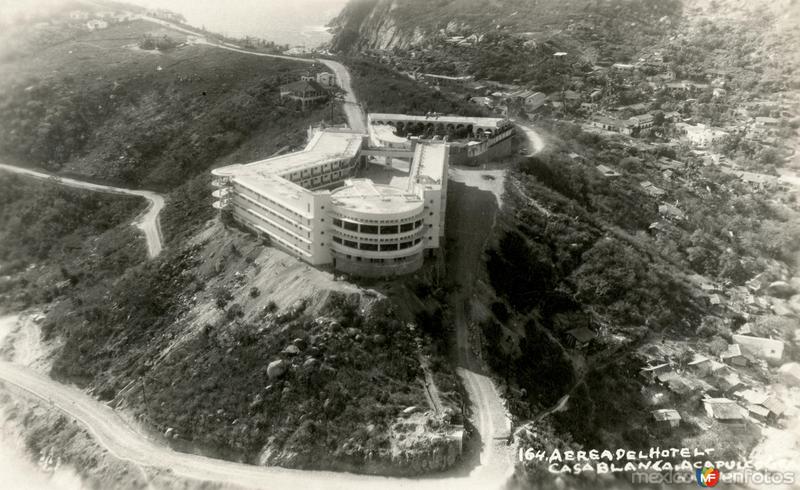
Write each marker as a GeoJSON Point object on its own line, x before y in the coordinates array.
{"type": "Point", "coordinates": [261, 198]}
{"type": "Point", "coordinates": [375, 247]}
{"type": "Point", "coordinates": [276, 215]}
{"type": "Point", "coordinates": [379, 221]}
{"type": "Point", "coordinates": [375, 229]}
{"type": "Point", "coordinates": [319, 169]}
{"type": "Point", "coordinates": [392, 239]}
{"type": "Point", "coordinates": [378, 261]}
{"type": "Point", "coordinates": [271, 234]}
{"type": "Point", "coordinates": [326, 179]}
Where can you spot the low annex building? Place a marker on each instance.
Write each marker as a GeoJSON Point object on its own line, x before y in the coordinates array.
{"type": "Point", "coordinates": [312, 204]}
{"type": "Point", "coordinates": [304, 91]}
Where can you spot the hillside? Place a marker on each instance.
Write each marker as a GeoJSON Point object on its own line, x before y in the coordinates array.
{"type": "Point", "coordinates": [514, 40]}
{"type": "Point", "coordinates": [221, 345]}
{"type": "Point", "coordinates": [136, 103]}
{"type": "Point", "coordinates": [401, 24]}
{"type": "Point", "coordinates": [55, 238]}
{"type": "Point", "coordinates": [590, 276]}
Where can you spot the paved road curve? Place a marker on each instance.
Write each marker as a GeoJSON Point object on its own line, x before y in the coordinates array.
{"type": "Point", "coordinates": [148, 221]}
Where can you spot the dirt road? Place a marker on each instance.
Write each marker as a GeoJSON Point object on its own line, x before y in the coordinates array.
{"type": "Point", "coordinates": [472, 206]}
{"type": "Point", "coordinates": [471, 228]}
{"type": "Point", "coordinates": [352, 109]}
{"type": "Point", "coordinates": [535, 141]}
{"type": "Point", "coordinates": [126, 444]}
{"type": "Point", "coordinates": [148, 221]}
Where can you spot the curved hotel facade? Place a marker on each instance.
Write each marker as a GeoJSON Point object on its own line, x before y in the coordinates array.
{"type": "Point", "coordinates": [311, 203]}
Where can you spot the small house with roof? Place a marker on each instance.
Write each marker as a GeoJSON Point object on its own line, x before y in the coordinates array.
{"type": "Point", "coordinates": [666, 418]}
{"type": "Point", "coordinates": [580, 337]}
{"type": "Point", "coordinates": [305, 91]}
{"type": "Point", "coordinates": [724, 410]}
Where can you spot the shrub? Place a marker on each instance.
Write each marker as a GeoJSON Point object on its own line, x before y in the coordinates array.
{"type": "Point", "coordinates": [222, 297]}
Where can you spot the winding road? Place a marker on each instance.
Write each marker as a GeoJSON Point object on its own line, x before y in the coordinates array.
{"type": "Point", "coordinates": [148, 221]}
{"type": "Point", "coordinates": [352, 108]}
{"type": "Point", "coordinates": [535, 141]}
{"type": "Point", "coordinates": [126, 443]}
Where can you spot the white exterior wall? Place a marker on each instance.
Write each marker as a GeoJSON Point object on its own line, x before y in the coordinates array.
{"type": "Point", "coordinates": [284, 205]}
{"type": "Point", "coordinates": [326, 79]}
{"type": "Point", "coordinates": [286, 225]}
{"type": "Point", "coordinates": [320, 229]}
{"type": "Point", "coordinates": [433, 212]}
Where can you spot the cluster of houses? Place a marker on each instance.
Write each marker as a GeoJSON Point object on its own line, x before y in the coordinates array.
{"type": "Point", "coordinates": [101, 19]}
{"type": "Point", "coordinates": [96, 20]}
{"type": "Point", "coordinates": [729, 381]}
{"type": "Point", "coordinates": [634, 125]}
{"type": "Point", "coordinates": [310, 89]}
{"type": "Point", "coordinates": [726, 394]}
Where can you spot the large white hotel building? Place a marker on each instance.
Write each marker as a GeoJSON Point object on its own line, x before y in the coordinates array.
{"type": "Point", "coordinates": [312, 204]}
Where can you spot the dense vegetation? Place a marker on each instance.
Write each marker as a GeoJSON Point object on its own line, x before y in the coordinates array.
{"type": "Point", "coordinates": [518, 36]}
{"type": "Point", "coordinates": [337, 399]}
{"type": "Point", "coordinates": [346, 372]}
{"type": "Point", "coordinates": [189, 207]}
{"type": "Point", "coordinates": [740, 45]}
{"type": "Point", "coordinates": [57, 239]}
{"type": "Point", "coordinates": [148, 120]}
{"type": "Point", "coordinates": [597, 261]}
{"type": "Point", "coordinates": [380, 89]}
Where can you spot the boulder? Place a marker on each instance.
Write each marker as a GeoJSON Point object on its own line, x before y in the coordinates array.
{"type": "Point", "coordinates": [780, 289]}
{"type": "Point", "coordinates": [794, 303]}
{"type": "Point", "coordinates": [300, 343]}
{"type": "Point", "coordinates": [258, 400]}
{"type": "Point", "coordinates": [781, 308]}
{"type": "Point", "coordinates": [291, 350]}
{"type": "Point", "coordinates": [275, 369]}
{"type": "Point", "coordinates": [409, 410]}
{"type": "Point", "coordinates": [790, 373]}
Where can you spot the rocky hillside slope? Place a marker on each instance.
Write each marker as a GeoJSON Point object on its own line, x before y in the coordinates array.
{"type": "Point", "coordinates": [513, 40]}
{"type": "Point", "coordinates": [390, 24]}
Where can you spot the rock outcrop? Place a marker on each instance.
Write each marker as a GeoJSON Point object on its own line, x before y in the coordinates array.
{"type": "Point", "coordinates": [372, 24]}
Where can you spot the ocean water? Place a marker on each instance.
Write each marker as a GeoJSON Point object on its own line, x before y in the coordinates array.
{"type": "Point", "coordinates": [293, 22]}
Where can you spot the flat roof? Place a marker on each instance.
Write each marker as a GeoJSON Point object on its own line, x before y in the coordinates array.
{"type": "Point", "coordinates": [264, 176]}
{"type": "Point", "coordinates": [367, 197]}
{"type": "Point", "coordinates": [269, 176]}
{"type": "Point", "coordinates": [428, 165]}
{"type": "Point", "coordinates": [324, 146]}
{"type": "Point", "coordinates": [386, 134]}
{"type": "Point", "coordinates": [495, 122]}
